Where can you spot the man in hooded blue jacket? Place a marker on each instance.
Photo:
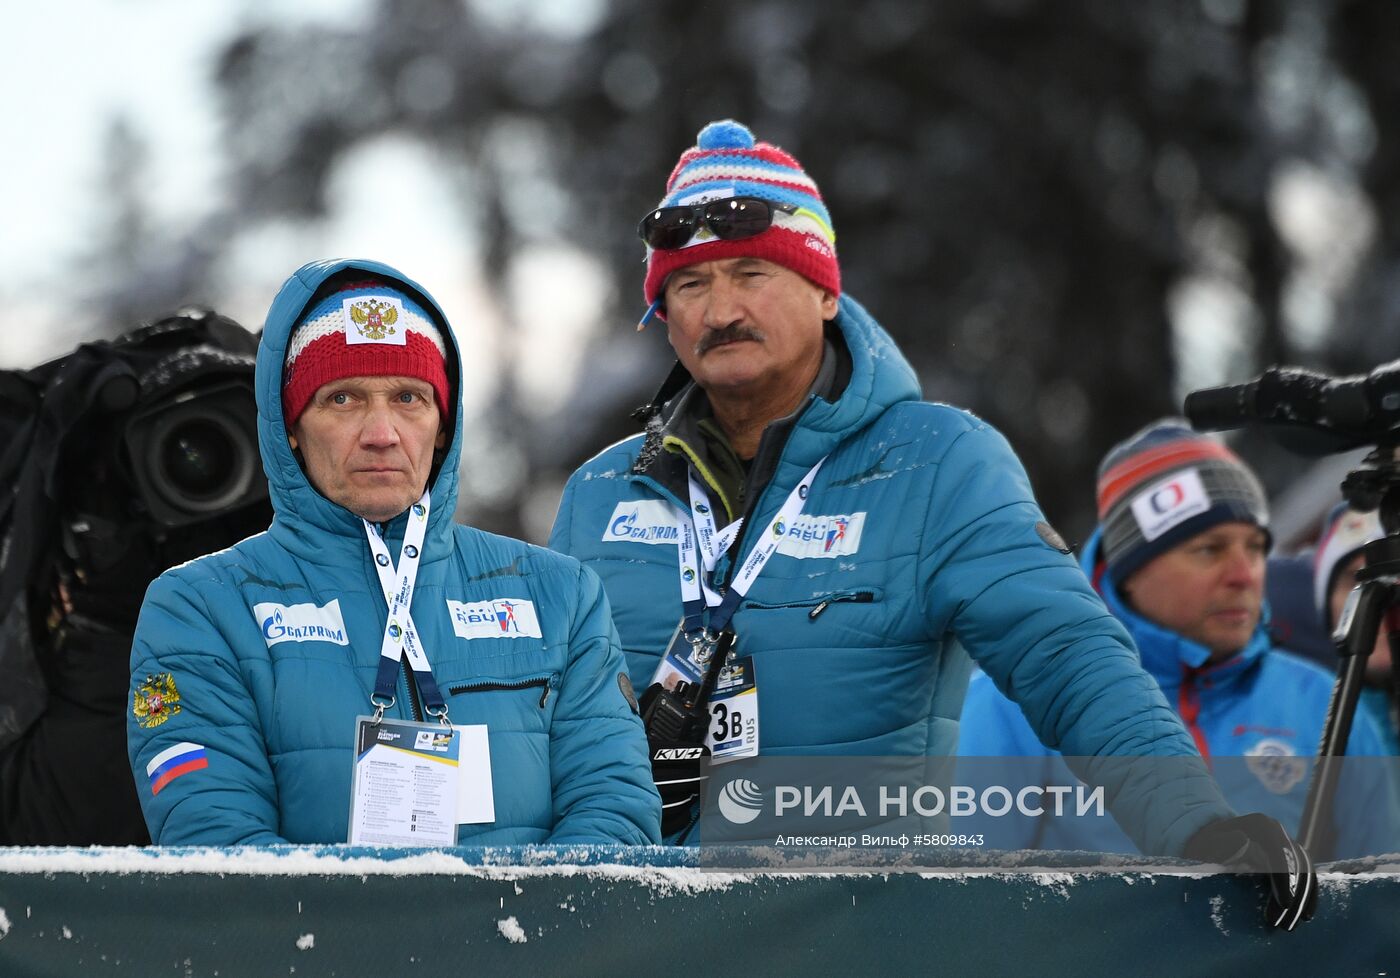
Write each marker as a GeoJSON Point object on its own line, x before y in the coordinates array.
{"type": "Point", "coordinates": [250, 666]}
{"type": "Point", "coordinates": [881, 536]}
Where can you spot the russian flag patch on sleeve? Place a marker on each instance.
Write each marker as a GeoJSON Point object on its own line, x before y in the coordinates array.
{"type": "Point", "coordinates": [172, 762]}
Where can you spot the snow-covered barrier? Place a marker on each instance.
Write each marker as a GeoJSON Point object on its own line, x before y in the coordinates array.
{"type": "Point", "coordinates": [585, 910]}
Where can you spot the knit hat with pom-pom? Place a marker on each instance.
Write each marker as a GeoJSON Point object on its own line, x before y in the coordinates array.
{"type": "Point", "coordinates": [726, 162]}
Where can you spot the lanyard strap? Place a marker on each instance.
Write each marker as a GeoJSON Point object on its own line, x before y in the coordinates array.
{"type": "Point", "coordinates": [400, 634]}
{"type": "Point", "coordinates": [699, 538]}
{"type": "Point", "coordinates": [713, 543]}
{"type": "Point", "coordinates": [698, 533]}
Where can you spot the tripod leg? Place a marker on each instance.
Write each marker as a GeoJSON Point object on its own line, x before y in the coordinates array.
{"type": "Point", "coordinates": [1355, 637]}
{"type": "Point", "coordinates": [1392, 675]}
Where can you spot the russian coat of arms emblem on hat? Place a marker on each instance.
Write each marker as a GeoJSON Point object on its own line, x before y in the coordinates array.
{"type": "Point", "coordinates": [371, 319]}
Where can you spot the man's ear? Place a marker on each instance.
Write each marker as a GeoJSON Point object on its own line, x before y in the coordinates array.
{"type": "Point", "coordinates": [440, 442]}
{"type": "Point", "coordinates": [829, 305]}
{"type": "Point", "coordinates": [292, 440]}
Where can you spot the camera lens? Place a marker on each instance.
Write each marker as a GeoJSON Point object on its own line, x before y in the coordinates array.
{"type": "Point", "coordinates": [194, 453]}
{"type": "Point", "coordinates": [198, 457]}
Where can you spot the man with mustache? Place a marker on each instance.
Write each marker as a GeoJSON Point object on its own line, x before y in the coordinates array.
{"type": "Point", "coordinates": [834, 542]}
{"type": "Point", "coordinates": [1179, 557]}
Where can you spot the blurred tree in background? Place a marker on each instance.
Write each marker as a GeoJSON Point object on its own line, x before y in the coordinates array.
{"type": "Point", "coordinates": [1066, 214]}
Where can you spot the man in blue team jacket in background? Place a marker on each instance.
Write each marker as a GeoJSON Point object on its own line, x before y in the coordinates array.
{"type": "Point", "coordinates": [916, 536]}
{"type": "Point", "coordinates": [250, 665]}
{"type": "Point", "coordinates": [1179, 558]}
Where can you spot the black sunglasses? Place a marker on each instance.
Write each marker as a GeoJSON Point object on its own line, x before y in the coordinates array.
{"type": "Point", "coordinates": [730, 219]}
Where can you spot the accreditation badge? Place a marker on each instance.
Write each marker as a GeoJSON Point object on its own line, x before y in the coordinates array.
{"type": "Point", "coordinates": [406, 784]}
{"type": "Point", "coordinates": [682, 662]}
{"type": "Point", "coordinates": [734, 712]}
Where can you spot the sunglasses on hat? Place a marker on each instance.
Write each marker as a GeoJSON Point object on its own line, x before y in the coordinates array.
{"type": "Point", "coordinates": [730, 219]}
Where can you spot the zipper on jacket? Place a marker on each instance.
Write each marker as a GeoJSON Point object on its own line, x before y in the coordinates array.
{"type": "Point", "coordinates": [415, 699]}
{"type": "Point", "coordinates": [858, 597]}
{"type": "Point", "coordinates": [818, 605]}
{"type": "Point", "coordinates": [546, 682]}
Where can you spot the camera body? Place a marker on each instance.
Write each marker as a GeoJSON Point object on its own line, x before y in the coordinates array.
{"type": "Point", "coordinates": [1312, 413]}
{"type": "Point", "coordinates": [1307, 412]}
{"type": "Point", "coordinates": [161, 462]}
{"type": "Point", "coordinates": [117, 460]}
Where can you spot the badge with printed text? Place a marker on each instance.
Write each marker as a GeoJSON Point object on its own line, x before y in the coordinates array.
{"type": "Point", "coordinates": [682, 662]}
{"type": "Point", "coordinates": [734, 712]}
{"type": "Point", "coordinates": [406, 783]}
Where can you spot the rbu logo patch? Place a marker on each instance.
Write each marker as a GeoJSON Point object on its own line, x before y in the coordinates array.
{"type": "Point", "coordinates": [643, 521]}
{"type": "Point", "coordinates": [301, 623]}
{"type": "Point", "coordinates": [497, 618]}
{"type": "Point", "coordinates": [822, 536]}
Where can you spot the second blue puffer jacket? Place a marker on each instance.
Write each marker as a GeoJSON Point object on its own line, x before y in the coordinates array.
{"type": "Point", "coordinates": [920, 542]}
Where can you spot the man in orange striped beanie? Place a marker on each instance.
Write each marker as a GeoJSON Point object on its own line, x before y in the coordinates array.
{"type": "Point", "coordinates": [1179, 558]}
{"type": "Point", "coordinates": [1158, 491]}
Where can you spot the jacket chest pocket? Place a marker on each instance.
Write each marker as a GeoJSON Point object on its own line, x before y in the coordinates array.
{"type": "Point", "coordinates": [815, 607]}
{"type": "Point", "coordinates": [517, 703]}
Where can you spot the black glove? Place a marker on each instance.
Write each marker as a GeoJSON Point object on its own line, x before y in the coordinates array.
{"type": "Point", "coordinates": [675, 742]}
{"type": "Point", "coordinates": [1258, 843]}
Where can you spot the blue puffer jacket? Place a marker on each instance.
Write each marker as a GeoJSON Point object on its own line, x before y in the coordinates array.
{"type": "Point", "coordinates": [1256, 717]}
{"type": "Point", "coordinates": [920, 538]}
{"type": "Point", "coordinates": [276, 720]}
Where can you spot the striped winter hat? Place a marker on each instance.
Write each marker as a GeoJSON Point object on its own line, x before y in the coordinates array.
{"type": "Point", "coordinates": [726, 162]}
{"type": "Point", "coordinates": [365, 329]}
{"type": "Point", "coordinates": [1344, 534]}
{"type": "Point", "coordinates": [1163, 486]}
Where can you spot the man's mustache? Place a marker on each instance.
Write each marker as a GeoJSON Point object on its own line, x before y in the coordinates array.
{"type": "Point", "coordinates": [730, 334]}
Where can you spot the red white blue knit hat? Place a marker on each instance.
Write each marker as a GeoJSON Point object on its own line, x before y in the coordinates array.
{"type": "Point", "coordinates": [1343, 536]}
{"type": "Point", "coordinates": [726, 162]}
{"type": "Point", "coordinates": [1166, 484]}
{"type": "Point", "coordinates": [366, 329]}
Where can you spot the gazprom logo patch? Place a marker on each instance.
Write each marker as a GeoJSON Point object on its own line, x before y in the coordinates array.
{"type": "Point", "coordinates": [496, 618]}
{"type": "Point", "coordinates": [301, 623]}
{"type": "Point", "coordinates": [642, 521]}
{"type": "Point", "coordinates": [823, 536]}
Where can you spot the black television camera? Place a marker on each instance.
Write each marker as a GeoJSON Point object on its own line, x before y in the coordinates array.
{"type": "Point", "coordinates": [117, 461]}
{"type": "Point", "coordinates": [1307, 412]}
{"type": "Point", "coordinates": [1313, 413]}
